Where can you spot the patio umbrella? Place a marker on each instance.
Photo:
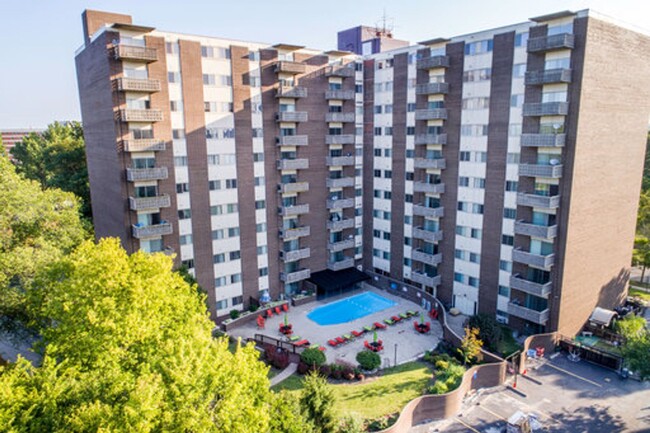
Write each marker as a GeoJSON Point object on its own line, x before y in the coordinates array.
{"type": "Point", "coordinates": [374, 336]}
{"type": "Point", "coordinates": [265, 296]}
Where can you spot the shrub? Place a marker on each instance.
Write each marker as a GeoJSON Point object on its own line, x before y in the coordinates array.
{"type": "Point", "coordinates": [438, 388]}
{"type": "Point", "coordinates": [313, 357]}
{"type": "Point", "coordinates": [350, 424]}
{"type": "Point", "coordinates": [281, 360]}
{"type": "Point", "coordinates": [253, 308]}
{"type": "Point", "coordinates": [347, 373]}
{"type": "Point", "coordinates": [302, 368]}
{"type": "Point", "coordinates": [368, 360]}
{"type": "Point", "coordinates": [325, 370]}
{"type": "Point", "coordinates": [381, 423]}
{"type": "Point", "coordinates": [337, 371]}
{"type": "Point", "coordinates": [234, 314]}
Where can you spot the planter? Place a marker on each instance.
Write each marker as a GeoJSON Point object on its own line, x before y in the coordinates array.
{"type": "Point", "coordinates": [299, 300]}
{"type": "Point", "coordinates": [423, 328]}
{"type": "Point", "coordinates": [286, 329]}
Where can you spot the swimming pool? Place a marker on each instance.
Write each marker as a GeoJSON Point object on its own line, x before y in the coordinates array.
{"type": "Point", "coordinates": [349, 309]}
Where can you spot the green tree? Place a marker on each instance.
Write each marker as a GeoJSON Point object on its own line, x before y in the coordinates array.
{"type": "Point", "coordinates": [631, 327]}
{"type": "Point", "coordinates": [636, 347]}
{"type": "Point", "coordinates": [313, 357]}
{"type": "Point", "coordinates": [36, 228]}
{"type": "Point", "coordinates": [127, 347]}
{"type": "Point", "coordinates": [287, 415]}
{"type": "Point", "coordinates": [56, 159]}
{"type": "Point", "coordinates": [470, 346]}
{"type": "Point", "coordinates": [351, 424]}
{"type": "Point", "coordinates": [641, 254]}
{"type": "Point", "coordinates": [489, 330]}
{"type": "Point", "coordinates": [317, 401]}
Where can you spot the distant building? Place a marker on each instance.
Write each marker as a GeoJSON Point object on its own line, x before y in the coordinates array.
{"type": "Point", "coordinates": [11, 137]}
{"type": "Point", "coordinates": [365, 40]}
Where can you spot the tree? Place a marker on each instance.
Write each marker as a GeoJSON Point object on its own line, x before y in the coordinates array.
{"type": "Point", "coordinates": [313, 357]}
{"type": "Point", "coordinates": [317, 401]}
{"type": "Point", "coordinates": [489, 330]}
{"type": "Point", "coordinates": [36, 228]}
{"type": "Point", "coordinates": [368, 360]}
{"type": "Point", "coordinates": [287, 415]}
{"type": "Point", "coordinates": [641, 254]}
{"type": "Point", "coordinates": [636, 347]}
{"type": "Point", "coordinates": [127, 346]}
{"type": "Point", "coordinates": [631, 327]}
{"type": "Point", "coordinates": [470, 346]}
{"type": "Point", "coordinates": [56, 158]}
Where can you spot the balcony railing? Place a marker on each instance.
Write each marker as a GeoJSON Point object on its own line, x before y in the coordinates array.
{"type": "Point", "coordinates": [339, 117]}
{"type": "Point", "coordinates": [534, 230]}
{"type": "Point", "coordinates": [432, 188]}
{"type": "Point", "coordinates": [428, 258]}
{"type": "Point", "coordinates": [298, 232]}
{"type": "Point", "coordinates": [432, 62]}
{"type": "Point", "coordinates": [294, 277]}
{"type": "Point", "coordinates": [427, 235]}
{"type": "Point", "coordinates": [531, 259]}
{"type": "Point", "coordinates": [292, 256]}
{"type": "Point", "coordinates": [538, 289]}
{"type": "Point", "coordinates": [424, 279]}
{"type": "Point", "coordinates": [438, 163]}
{"type": "Point", "coordinates": [540, 170]}
{"type": "Point", "coordinates": [156, 173]}
{"type": "Point", "coordinates": [341, 182]}
{"type": "Point", "coordinates": [429, 212]}
{"type": "Point", "coordinates": [431, 139]}
{"type": "Point", "coordinates": [161, 229]}
{"type": "Point", "coordinates": [341, 203]}
{"type": "Point", "coordinates": [141, 115]}
{"type": "Point", "coordinates": [346, 223]}
{"type": "Point", "coordinates": [531, 109]}
{"type": "Point", "coordinates": [286, 188]}
{"type": "Point", "coordinates": [291, 92]}
{"type": "Point", "coordinates": [139, 203]}
{"type": "Point", "coordinates": [293, 140]}
{"type": "Point", "coordinates": [292, 116]}
{"type": "Point", "coordinates": [339, 94]}
{"type": "Point", "coordinates": [346, 263]}
{"type": "Point", "coordinates": [336, 161]}
{"type": "Point", "coordinates": [541, 201]}
{"type": "Point", "coordinates": [135, 53]}
{"type": "Point", "coordinates": [549, 43]}
{"type": "Point", "coordinates": [432, 89]}
{"type": "Point", "coordinates": [340, 71]}
{"type": "Point", "coordinates": [549, 76]}
{"type": "Point", "coordinates": [144, 145]}
{"type": "Point", "coordinates": [339, 139]}
{"type": "Point", "coordinates": [143, 85]}
{"type": "Point", "coordinates": [298, 209]}
{"type": "Point", "coordinates": [341, 245]}
{"type": "Point", "coordinates": [290, 67]}
{"type": "Point", "coordinates": [293, 164]}
{"type": "Point", "coordinates": [543, 140]}
{"type": "Point", "coordinates": [431, 114]}
{"type": "Point", "coordinates": [539, 317]}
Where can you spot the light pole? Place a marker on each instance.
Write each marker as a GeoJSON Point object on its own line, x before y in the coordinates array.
{"type": "Point", "coordinates": [395, 360]}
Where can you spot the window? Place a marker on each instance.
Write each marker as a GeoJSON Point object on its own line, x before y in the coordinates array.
{"type": "Point", "coordinates": [223, 304]}
{"type": "Point", "coordinates": [180, 161]}
{"type": "Point", "coordinates": [231, 183]}
{"type": "Point", "coordinates": [219, 258]}
{"type": "Point", "coordinates": [410, 130]}
{"type": "Point", "coordinates": [473, 130]}
{"type": "Point", "coordinates": [410, 107]}
{"type": "Point", "coordinates": [174, 77]}
{"type": "Point", "coordinates": [377, 152]}
{"type": "Point", "coordinates": [377, 173]}
{"type": "Point", "coordinates": [209, 79]}
{"type": "Point", "coordinates": [388, 130]}
{"type": "Point", "coordinates": [463, 181]}
{"type": "Point", "coordinates": [233, 232]}
{"type": "Point", "coordinates": [182, 187]}
{"type": "Point", "coordinates": [388, 108]}
{"type": "Point", "coordinates": [408, 198]}
{"type": "Point", "coordinates": [189, 264]}
{"type": "Point", "coordinates": [232, 208]}
{"type": "Point", "coordinates": [235, 278]}
{"type": "Point", "coordinates": [185, 239]}
{"type": "Point", "coordinates": [214, 185]}
{"type": "Point", "coordinates": [377, 131]}
{"type": "Point", "coordinates": [184, 214]}
{"type": "Point", "coordinates": [260, 204]}
{"type": "Point", "coordinates": [377, 109]}
{"type": "Point", "coordinates": [521, 39]}
{"type": "Point", "coordinates": [260, 228]}
{"type": "Point", "coordinates": [473, 281]}
{"type": "Point", "coordinates": [479, 183]}
{"type": "Point", "coordinates": [178, 133]}
{"type": "Point", "coordinates": [509, 213]}
{"type": "Point", "coordinates": [514, 129]}
{"type": "Point", "coordinates": [512, 158]}
{"type": "Point", "coordinates": [516, 101]}
{"type": "Point", "coordinates": [504, 291]}
{"type": "Point", "coordinates": [216, 210]}
{"type": "Point", "coordinates": [476, 103]}
{"type": "Point", "coordinates": [519, 70]}
{"type": "Point", "coordinates": [237, 300]}
{"type": "Point", "coordinates": [376, 234]}
{"type": "Point", "coordinates": [478, 47]}
{"type": "Point", "coordinates": [507, 240]}
{"type": "Point", "coordinates": [512, 185]}
{"type": "Point", "coordinates": [171, 47]}
{"type": "Point", "coordinates": [175, 105]}
{"type": "Point", "coordinates": [217, 234]}
{"type": "Point", "coordinates": [386, 236]}
{"type": "Point", "coordinates": [476, 75]}
{"type": "Point", "coordinates": [465, 156]}
{"type": "Point", "coordinates": [235, 255]}
{"type": "Point", "coordinates": [262, 249]}
{"type": "Point", "coordinates": [505, 265]}
{"type": "Point", "coordinates": [258, 133]}
{"type": "Point", "coordinates": [388, 174]}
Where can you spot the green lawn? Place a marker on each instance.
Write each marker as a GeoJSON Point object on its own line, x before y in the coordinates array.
{"type": "Point", "coordinates": [375, 397]}
{"type": "Point", "coordinates": [639, 293]}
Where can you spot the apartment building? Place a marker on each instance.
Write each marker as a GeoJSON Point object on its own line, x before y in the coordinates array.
{"type": "Point", "coordinates": [11, 137]}
{"type": "Point", "coordinates": [498, 170]}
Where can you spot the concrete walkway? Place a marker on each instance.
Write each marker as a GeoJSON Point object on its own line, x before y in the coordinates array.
{"type": "Point", "coordinates": [291, 368]}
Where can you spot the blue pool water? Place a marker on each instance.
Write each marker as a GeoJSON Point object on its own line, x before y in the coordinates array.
{"type": "Point", "coordinates": [349, 309]}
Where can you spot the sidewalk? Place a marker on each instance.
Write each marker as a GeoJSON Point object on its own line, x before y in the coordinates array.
{"type": "Point", "coordinates": [291, 369]}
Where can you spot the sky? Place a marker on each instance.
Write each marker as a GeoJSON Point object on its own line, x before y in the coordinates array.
{"type": "Point", "coordinates": [39, 37]}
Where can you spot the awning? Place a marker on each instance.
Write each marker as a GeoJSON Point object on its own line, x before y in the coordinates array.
{"type": "Point", "coordinates": [331, 281]}
{"type": "Point", "coordinates": [601, 316]}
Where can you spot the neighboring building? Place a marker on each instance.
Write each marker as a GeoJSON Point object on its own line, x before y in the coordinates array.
{"type": "Point", "coordinates": [365, 40]}
{"type": "Point", "coordinates": [11, 137]}
{"type": "Point", "coordinates": [499, 170]}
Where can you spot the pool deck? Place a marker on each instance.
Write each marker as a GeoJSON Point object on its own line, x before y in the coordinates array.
{"type": "Point", "coordinates": [410, 344]}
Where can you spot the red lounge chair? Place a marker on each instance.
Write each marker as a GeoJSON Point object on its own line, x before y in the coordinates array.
{"type": "Point", "coordinates": [285, 307]}
{"type": "Point", "coordinates": [260, 322]}
{"type": "Point", "coordinates": [333, 343]}
{"type": "Point", "coordinates": [302, 343]}
{"type": "Point", "coordinates": [322, 348]}
{"type": "Point", "coordinates": [416, 325]}
{"type": "Point", "coordinates": [396, 318]}
{"type": "Point", "coordinates": [278, 311]}
{"type": "Point", "coordinates": [379, 325]}
{"type": "Point", "coordinates": [367, 345]}
{"type": "Point", "coordinates": [357, 334]}
{"type": "Point", "coordinates": [340, 340]}
{"type": "Point", "coordinates": [433, 313]}
{"type": "Point", "coordinates": [269, 313]}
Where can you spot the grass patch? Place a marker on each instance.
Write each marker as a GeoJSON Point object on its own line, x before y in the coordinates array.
{"type": "Point", "coordinates": [291, 383]}
{"type": "Point", "coordinates": [507, 345]}
{"type": "Point", "coordinates": [633, 291]}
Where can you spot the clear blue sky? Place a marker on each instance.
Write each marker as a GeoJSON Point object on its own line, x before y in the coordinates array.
{"type": "Point", "coordinates": [39, 37]}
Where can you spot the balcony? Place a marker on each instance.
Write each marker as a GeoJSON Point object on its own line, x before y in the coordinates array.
{"type": "Point", "coordinates": [431, 114]}
{"type": "Point", "coordinates": [339, 139]}
{"type": "Point", "coordinates": [534, 230]}
{"type": "Point", "coordinates": [298, 209]}
{"type": "Point", "coordinates": [290, 67]}
{"type": "Point", "coordinates": [429, 212]}
{"type": "Point", "coordinates": [294, 277]}
{"type": "Point", "coordinates": [428, 258]}
{"type": "Point", "coordinates": [432, 89]}
{"type": "Point", "coordinates": [139, 203]}
{"type": "Point", "coordinates": [346, 223]}
{"type": "Point", "coordinates": [294, 92]}
{"type": "Point", "coordinates": [539, 317]}
{"type": "Point", "coordinates": [141, 115]}
{"type": "Point", "coordinates": [292, 116]}
{"type": "Point", "coordinates": [535, 260]}
{"type": "Point", "coordinates": [125, 84]}
{"type": "Point", "coordinates": [438, 163]}
{"type": "Point", "coordinates": [346, 263]}
{"type": "Point", "coordinates": [538, 289]}
{"type": "Point", "coordinates": [156, 173]}
{"type": "Point", "coordinates": [340, 71]}
{"type": "Point", "coordinates": [549, 76]}
{"type": "Point", "coordinates": [294, 187]}
{"type": "Point", "coordinates": [541, 201]}
{"type": "Point", "coordinates": [292, 256]}
{"type": "Point", "coordinates": [293, 164]}
{"type": "Point", "coordinates": [340, 117]}
{"type": "Point", "coordinates": [432, 188]}
{"type": "Point", "coordinates": [135, 53]}
{"type": "Point", "coordinates": [425, 280]}
{"type": "Point", "coordinates": [531, 109]}
{"type": "Point", "coordinates": [550, 43]}
{"type": "Point", "coordinates": [298, 232]}
{"type": "Point", "coordinates": [341, 182]}
{"type": "Point", "coordinates": [341, 203]}
{"type": "Point", "coordinates": [341, 245]}
{"type": "Point", "coordinates": [432, 62]}
{"type": "Point", "coordinates": [144, 145]}
{"type": "Point", "coordinates": [427, 235]}
{"type": "Point", "coordinates": [161, 229]}
{"type": "Point", "coordinates": [343, 95]}
{"type": "Point", "coordinates": [293, 140]}
{"type": "Point", "coordinates": [339, 161]}
{"type": "Point", "coordinates": [431, 139]}
{"type": "Point", "coordinates": [540, 170]}
{"type": "Point", "coordinates": [543, 140]}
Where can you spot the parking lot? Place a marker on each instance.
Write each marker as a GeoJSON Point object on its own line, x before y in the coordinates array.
{"type": "Point", "coordinates": [565, 396]}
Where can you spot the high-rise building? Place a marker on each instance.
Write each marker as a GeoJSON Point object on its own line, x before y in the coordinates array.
{"type": "Point", "coordinates": [11, 137]}
{"type": "Point", "coordinates": [498, 170]}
